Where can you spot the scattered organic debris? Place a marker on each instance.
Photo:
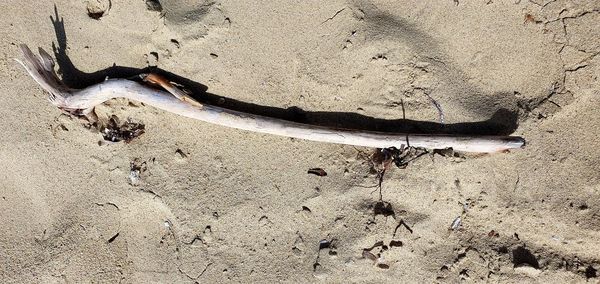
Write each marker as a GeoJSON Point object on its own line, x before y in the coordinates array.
{"type": "Point", "coordinates": [384, 208]}
{"type": "Point", "coordinates": [377, 259]}
{"type": "Point", "coordinates": [115, 132]}
{"type": "Point", "coordinates": [136, 169]}
{"type": "Point", "coordinates": [317, 171]}
{"type": "Point", "coordinates": [325, 244]}
{"type": "Point", "coordinates": [383, 158]}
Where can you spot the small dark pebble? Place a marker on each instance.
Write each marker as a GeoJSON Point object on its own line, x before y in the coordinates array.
{"type": "Point", "coordinates": [323, 244]}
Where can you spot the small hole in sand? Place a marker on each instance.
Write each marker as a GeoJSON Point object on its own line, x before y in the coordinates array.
{"type": "Point", "coordinates": [96, 9]}
{"type": "Point", "coordinates": [154, 5]}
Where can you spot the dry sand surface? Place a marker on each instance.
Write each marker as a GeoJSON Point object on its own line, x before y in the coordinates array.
{"type": "Point", "coordinates": [214, 204]}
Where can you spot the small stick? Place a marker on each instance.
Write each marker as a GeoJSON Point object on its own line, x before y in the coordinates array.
{"type": "Point", "coordinates": [437, 106]}
{"type": "Point", "coordinates": [83, 101]}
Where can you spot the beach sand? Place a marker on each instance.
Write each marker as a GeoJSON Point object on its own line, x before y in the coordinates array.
{"type": "Point", "coordinates": [214, 204]}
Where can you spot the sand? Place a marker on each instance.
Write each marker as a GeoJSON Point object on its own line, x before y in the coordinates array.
{"type": "Point", "coordinates": [214, 204]}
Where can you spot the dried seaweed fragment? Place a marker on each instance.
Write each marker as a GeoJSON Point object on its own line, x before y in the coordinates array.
{"type": "Point", "coordinates": [115, 132]}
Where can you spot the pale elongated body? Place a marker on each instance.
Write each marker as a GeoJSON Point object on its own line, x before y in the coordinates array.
{"type": "Point", "coordinates": [41, 69]}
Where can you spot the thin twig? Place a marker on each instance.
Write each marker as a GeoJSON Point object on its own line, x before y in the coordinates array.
{"type": "Point", "coordinates": [437, 106]}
